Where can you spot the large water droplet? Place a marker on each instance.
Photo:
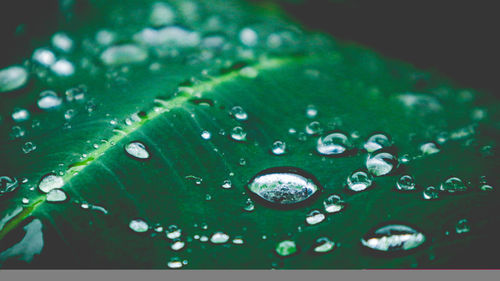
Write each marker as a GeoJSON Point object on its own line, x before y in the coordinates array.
{"type": "Point", "coordinates": [8, 185]}
{"type": "Point", "coordinates": [381, 163]}
{"type": "Point", "coordinates": [283, 186]}
{"type": "Point", "coordinates": [405, 183]}
{"type": "Point", "coordinates": [44, 57]}
{"type": "Point", "coordinates": [359, 180]}
{"type": "Point", "coordinates": [393, 238]}
{"type": "Point", "coordinates": [334, 204]}
{"type": "Point", "coordinates": [49, 100]}
{"type": "Point", "coordinates": [124, 54]}
{"type": "Point", "coordinates": [333, 144]}
{"type": "Point", "coordinates": [239, 113]}
{"type": "Point", "coordinates": [453, 185]}
{"type": "Point", "coordinates": [286, 248]}
{"type": "Point", "coordinates": [377, 141]}
{"type": "Point", "coordinates": [12, 78]}
{"type": "Point", "coordinates": [50, 182]}
{"type": "Point", "coordinates": [56, 195]}
{"type": "Point", "coordinates": [315, 217]}
{"type": "Point", "coordinates": [323, 245]}
{"type": "Point", "coordinates": [137, 150]}
{"type": "Point", "coordinates": [238, 134]}
{"type": "Point", "coordinates": [63, 67]}
{"type": "Point", "coordinates": [219, 238]}
{"type": "Point", "coordinates": [138, 225]}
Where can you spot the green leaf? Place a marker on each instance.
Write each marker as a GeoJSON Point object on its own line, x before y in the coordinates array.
{"type": "Point", "coordinates": [165, 93]}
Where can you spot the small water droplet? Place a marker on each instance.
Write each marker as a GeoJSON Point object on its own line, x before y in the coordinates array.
{"type": "Point", "coordinates": [8, 185]}
{"type": "Point", "coordinates": [20, 115]}
{"type": "Point", "coordinates": [359, 180]}
{"type": "Point", "coordinates": [173, 232]}
{"type": "Point", "coordinates": [278, 148]}
{"type": "Point", "coordinates": [175, 263]}
{"type": "Point", "coordinates": [313, 128]}
{"type": "Point", "coordinates": [69, 114]}
{"type": "Point", "coordinates": [249, 72]}
{"type": "Point", "coordinates": [62, 42]}
{"type": "Point", "coordinates": [323, 245]}
{"type": "Point", "coordinates": [486, 187]}
{"type": "Point", "coordinates": [311, 111]}
{"type": "Point", "coordinates": [63, 67]}
{"type": "Point", "coordinates": [219, 238]}
{"type": "Point", "coordinates": [286, 248]}
{"type": "Point", "coordinates": [17, 132]}
{"type": "Point", "coordinates": [238, 134]}
{"type": "Point", "coordinates": [462, 226]}
{"type": "Point", "coordinates": [123, 54]}
{"type": "Point", "coordinates": [12, 78]}
{"type": "Point", "coordinates": [178, 245]}
{"type": "Point", "coordinates": [161, 14]}
{"type": "Point", "coordinates": [226, 184]}
{"type": "Point", "coordinates": [405, 183]}
{"type": "Point", "coordinates": [333, 144]}
{"type": "Point", "coordinates": [453, 185]}
{"type": "Point", "coordinates": [25, 201]}
{"type": "Point", "coordinates": [138, 225]}
{"type": "Point", "coordinates": [377, 141]}
{"type": "Point", "coordinates": [56, 195]}
{"type": "Point", "coordinates": [315, 217]}
{"type": "Point", "coordinates": [238, 113]}
{"type": "Point", "coordinates": [429, 148]}
{"type": "Point", "coordinates": [49, 100]}
{"type": "Point", "coordinates": [381, 163]}
{"type": "Point", "coordinates": [249, 206]}
{"type": "Point", "coordinates": [333, 204]}
{"type": "Point", "coordinates": [206, 135]}
{"type": "Point", "coordinates": [44, 56]}
{"type": "Point", "coordinates": [248, 37]}
{"type": "Point", "coordinates": [430, 193]}
{"type": "Point", "coordinates": [137, 150]}
{"type": "Point", "coordinates": [238, 241]}
{"type": "Point", "coordinates": [284, 186]}
{"type": "Point", "coordinates": [76, 93]}
{"type": "Point", "coordinates": [393, 238]}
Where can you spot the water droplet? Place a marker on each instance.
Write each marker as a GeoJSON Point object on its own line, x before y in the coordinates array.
{"type": "Point", "coordinates": [286, 248]}
{"type": "Point", "coordinates": [17, 132]}
{"type": "Point", "coordinates": [248, 37]}
{"type": "Point", "coordinates": [430, 193]}
{"type": "Point", "coordinates": [249, 206]}
{"type": "Point", "coordinates": [49, 100]}
{"type": "Point", "coordinates": [177, 246]}
{"type": "Point", "coordinates": [12, 78]}
{"type": "Point", "coordinates": [381, 163]}
{"type": "Point", "coordinates": [203, 238]}
{"type": "Point", "coordinates": [238, 241]}
{"type": "Point", "coordinates": [486, 187]}
{"type": "Point", "coordinates": [462, 226]}
{"type": "Point", "coordinates": [137, 150]}
{"type": "Point", "coordinates": [405, 182]}
{"type": "Point", "coordinates": [76, 93]}
{"type": "Point", "coordinates": [63, 67]}
{"type": "Point", "coordinates": [453, 185]}
{"type": "Point", "coordinates": [278, 148]}
{"type": "Point", "coordinates": [28, 147]}
{"type": "Point", "coordinates": [219, 238]}
{"type": "Point", "coordinates": [175, 263]}
{"type": "Point", "coordinates": [238, 134]}
{"type": "Point", "coordinates": [8, 185]}
{"type": "Point", "coordinates": [69, 114]}
{"type": "Point", "coordinates": [138, 225]}
{"type": "Point", "coordinates": [333, 144]}
{"type": "Point", "coordinates": [315, 217]}
{"type": "Point", "coordinates": [161, 14]}
{"type": "Point", "coordinates": [323, 245]}
{"type": "Point", "coordinates": [56, 195]}
{"type": "Point", "coordinates": [50, 182]}
{"type": "Point", "coordinates": [359, 180]}
{"type": "Point", "coordinates": [393, 238]}
{"type": "Point", "coordinates": [429, 148]}
{"type": "Point", "coordinates": [44, 57]}
{"type": "Point", "coordinates": [313, 128]}
{"type": "Point", "coordinates": [377, 141]}
{"type": "Point", "coordinates": [238, 113]}
{"type": "Point", "coordinates": [226, 184]}
{"type": "Point", "coordinates": [311, 111]}
{"type": "Point", "coordinates": [20, 115]}
{"type": "Point", "coordinates": [284, 186]}
{"type": "Point", "coordinates": [170, 37]}
{"type": "Point", "coordinates": [334, 204]}
{"type": "Point", "coordinates": [123, 54]}
{"type": "Point", "coordinates": [105, 37]}
{"type": "Point", "coordinates": [25, 201]}
{"type": "Point", "coordinates": [173, 232]}
{"type": "Point", "coordinates": [206, 135]}
{"type": "Point", "coordinates": [62, 42]}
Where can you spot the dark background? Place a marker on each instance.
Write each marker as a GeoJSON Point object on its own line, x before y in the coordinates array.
{"type": "Point", "coordinates": [456, 38]}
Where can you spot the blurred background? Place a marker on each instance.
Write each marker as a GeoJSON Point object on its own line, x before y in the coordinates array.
{"type": "Point", "coordinates": [456, 38]}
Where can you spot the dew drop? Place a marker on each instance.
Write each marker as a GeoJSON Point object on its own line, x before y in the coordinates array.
{"type": "Point", "coordinates": [283, 186]}
{"type": "Point", "coordinates": [238, 134]}
{"type": "Point", "coordinates": [462, 226]}
{"type": "Point", "coordinates": [430, 193]}
{"type": "Point", "coordinates": [453, 185]}
{"type": "Point", "coordinates": [50, 182]}
{"type": "Point", "coordinates": [286, 248]}
{"type": "Point", "coordinates": [49, 100]}
{"type": "Point", "coordinates": [226, 184]}
{"type": "Point", "coordinates": [486, 187]}
{"type": "Point", "coordinates": [405, 183]}
{"type": "Point", "coordinates": [311, 111]}
{"type": "Point", "coordinates": [278, 147]}
{"type": "Point", "coordinates": [315, 217]}
{"type": "Point", "coordinates": [313, 128]}
{"type": "Point", "coordinates": [63, 67]}
{"type": "Point", "coordinates": [105, 37]}
{"type": "Point", "coordinates": [429, 148]}
{"type": "Point", "coordinates": [12, 78]}
{"type": "Point", "coordinates": [381, 163]}
{"type": "Point", "coordinates": [62, 42]}
{"type": "Point", "coordinates": [161, 14]}
{"type": "Point", "coordinates": [333, 204]}
{"type": "Point", "coordinates": [238, 113]}
{"type": "Point", "coordinates": [138, 225]}
{"type": "Point", "coordinates": [173, 232]}
{"type": "Point", "coordinates": [248, 37]}
{"type": "Point", "coordinates": [359, 180]}
{"type": "Point", "coordinates": [170, 37]}
{"type": "Point", "coordinates": [8, 185]}
{"type": "Point", "coordinates": [28, 147]}
{"type": "Point", "coordinates": [238, 241]}
{"type": "Point", "coordinates": [393, 238]}
{"type": "Point", "coordinates": [137, 150]}
{"type": "Point", "coordinates": [219, 238]}
{"type": "Point", "coordinates": [20, 115]}
{"type": "Point", "coordinates": [56, 195]}
{"type": "Point", "coordinates": [249, 206]}
{"type": "Point", "coordinates": [333, 144]}
{"type": "Point", "coordinates": [323, 245]}
{"type": "Point", "coordinates": [25, 201]}
{"type": "Point", "coordinates": [249, 72]}
{"type": "Point", "coordinates": [177, 246]}
{"type": "Point", "coordinates": [377, 141]}
{"type": "Point", "coordinates": [206, 135]}
{"type": "Point", "coordinates": [123, 54]}
{"type": "Point", "coordinates": [44, 57]}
